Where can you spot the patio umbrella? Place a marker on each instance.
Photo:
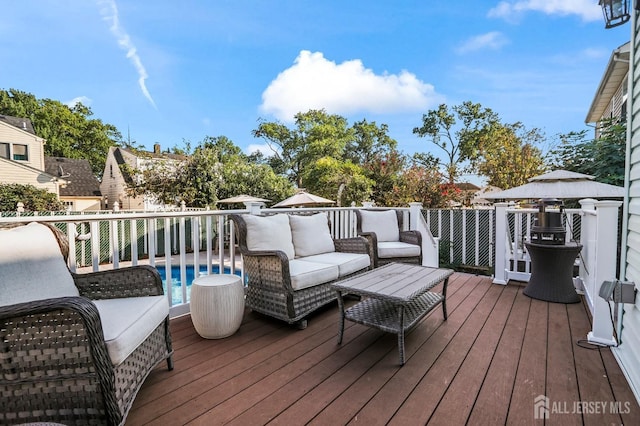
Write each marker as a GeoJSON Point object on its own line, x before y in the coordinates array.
{"type": "Point", "coordinates": [303, 199]}
{"type": "Point", "coordinates": [561, 184]}
{"type": "Point", "coordinates": [242, 198]}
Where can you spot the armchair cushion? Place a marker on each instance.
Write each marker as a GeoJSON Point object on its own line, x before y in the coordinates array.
{"type": "Point", "coordinates": [311, 235]}
{"type": "Point", "coordinates": [127, 322]}
{"type": "Point", "coordinates": [383, 223]}
{"type": "Point", "coordinates": [269, 233]}
{"type": "Point", "coordinates": [389, 249]}
{"type": "Point", "coordinates": [32, 266]}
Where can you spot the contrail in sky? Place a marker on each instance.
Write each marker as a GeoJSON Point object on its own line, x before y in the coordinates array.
{"type": "Point", "coordinates": [109, 12]}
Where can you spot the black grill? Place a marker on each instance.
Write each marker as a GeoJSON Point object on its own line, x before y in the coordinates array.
{"type": "Point", "coordinates": [547, 226]}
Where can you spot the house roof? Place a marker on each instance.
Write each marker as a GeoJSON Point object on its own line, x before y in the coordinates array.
{"type": "Point", "coordinates": [81, 181]}
{"type": "Point", "coordinates": [466, 186]}
{"type": "Point", "coordinates": [150, 154]}
{"type": "Point", "coordinates": [617, 69]}
{"type": "Point", "coordinates": [21, 123]}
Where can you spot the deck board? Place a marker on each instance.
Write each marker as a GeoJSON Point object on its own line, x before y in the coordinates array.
{"type": "Point", "coordinates": [497, 351]}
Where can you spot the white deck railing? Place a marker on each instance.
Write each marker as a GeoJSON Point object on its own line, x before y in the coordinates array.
{"type": "Point", "coordinates": [188, 241]}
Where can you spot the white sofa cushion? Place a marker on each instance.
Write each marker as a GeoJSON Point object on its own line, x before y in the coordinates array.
{"type": "Point", "coordinates": [269, 233]}
{"type": "Point", "coordinates": [388, 249]}
{"type": "Point", "coordinates": [127, 322]}
{"type": "Point", "coordinates": [384, 223]}
{"type": "Point", "coordinates": [347, 263]}
{"type": "Point", "coordinates": [311, 234]}
{"type": "Point", "coordinates": [306, 274]}
{"type": "Point", "coordinates": [32, 266]}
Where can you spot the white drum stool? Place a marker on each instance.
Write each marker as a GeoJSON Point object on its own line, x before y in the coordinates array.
{"type": "Point", "coordinates": [217, 305]}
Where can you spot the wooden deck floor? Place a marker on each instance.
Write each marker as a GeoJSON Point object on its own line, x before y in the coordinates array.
{"type": "Point", "coordinates": [498, 351]}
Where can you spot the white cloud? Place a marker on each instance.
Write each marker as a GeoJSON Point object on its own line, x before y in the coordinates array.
{"type": "Point", "coordinates": [314, 82]}
{"type": "Point", "coordinates": [492, 40]}
{"type": "Point", "coordinates": [588, 10]}
{"type": "Point", "coordinates": [109, 12]}
{"type": "Point", "coordinates": [79, 99]}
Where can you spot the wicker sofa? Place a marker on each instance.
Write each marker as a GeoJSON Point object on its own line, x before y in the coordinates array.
{"type": "Point", "coordinates": [74, 348]}
{"type": "Point", "coordinates": [387, 241]}
{"type": "Point", "coordinates": [291, 260]}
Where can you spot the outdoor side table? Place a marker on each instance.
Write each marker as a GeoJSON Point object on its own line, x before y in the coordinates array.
{"type": "Point", "coordinates": [552, 272]}
{"type": "Point", "coordinates": [217, 305]}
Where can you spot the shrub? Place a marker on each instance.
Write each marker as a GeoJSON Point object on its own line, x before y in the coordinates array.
{"type": "Point", "coordinates": [34, 199]}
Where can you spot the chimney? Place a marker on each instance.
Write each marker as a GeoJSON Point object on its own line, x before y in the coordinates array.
{"type": "Point", "coordinates": [156, 148]}
{"type": "Point", "coordinates": [24, 125]}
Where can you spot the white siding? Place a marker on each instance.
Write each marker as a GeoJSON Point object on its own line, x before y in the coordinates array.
{"type": "Point", "coordinates": [12, 173]}
{"type": "Point", "coordinates": [12, 134]}
{"type": "Point", "coordinates": [628, 353]}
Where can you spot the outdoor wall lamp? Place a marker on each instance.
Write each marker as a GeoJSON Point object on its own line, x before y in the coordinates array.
{"type": "Point", "coordinates": [616, 12]}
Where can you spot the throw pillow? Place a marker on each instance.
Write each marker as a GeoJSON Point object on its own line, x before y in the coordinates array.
{"type": "Point", "coordinates": [384, 223]}
{"type": "Point", "coordinates": [32, 266]}
{"type": "Point", "coordinates": [311, 235]}
{"type": "Point", "coordinates": [269, 233]}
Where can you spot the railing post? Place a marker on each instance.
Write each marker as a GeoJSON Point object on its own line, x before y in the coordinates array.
{"type": "Point", "coordinates": [415, 210]}
{"type": "Point", "coordinates": [430, 245]}
{"type": "Point", "coordinates": [499, 276]}
{"type": "Point", "coordinates": [253, 207]}
{"type": "Point", "coordinates": [605, 268]}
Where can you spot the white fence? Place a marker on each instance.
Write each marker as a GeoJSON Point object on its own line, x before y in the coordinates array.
{"type": "Point", "coordinates": [184, 244]}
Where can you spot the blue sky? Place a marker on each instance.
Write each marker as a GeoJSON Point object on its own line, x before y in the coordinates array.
{"type": "Point", "coordinates": [168, 71]}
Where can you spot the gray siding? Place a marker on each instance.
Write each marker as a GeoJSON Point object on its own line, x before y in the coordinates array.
{"type": "Point", "coordinates": [628, 353]}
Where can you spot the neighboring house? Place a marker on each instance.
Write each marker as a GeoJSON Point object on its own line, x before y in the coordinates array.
{"type": "Point", "coordinates": [610, 101]}
{"type": "Point", "coordinates": [467, 192]}
{"type": "Point", "coordinates": [122, 169]}
{"type": "Point", "coordinates": [22, 156]}
{"type": "Point", "coordinates": [478, 199]}
{"type": "Point", "coordinates": [82, 191]}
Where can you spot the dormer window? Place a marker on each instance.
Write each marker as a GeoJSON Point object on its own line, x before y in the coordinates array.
{"type": "Point", "coordinates": [20, 152]}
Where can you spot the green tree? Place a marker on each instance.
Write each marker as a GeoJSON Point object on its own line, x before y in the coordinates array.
{"type": "Point", "coordinates": [602, 157]}
{"type": "Point", "coordinates": [69, 131]}
{"type": "Point", "coordinates": [338, 180]}
{"type": "Point", "coordinates": [316, 135]}
{"type": "Point", "coordinates": [508, 154]}
{"type": "Point", "coordinates": [455, 131]}
{"type": "Point", "coordinates": [34, 199]}
{"type": "Point", "coordinates": [418, 184]}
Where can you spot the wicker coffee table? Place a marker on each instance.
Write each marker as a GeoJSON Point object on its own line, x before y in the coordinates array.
{"type": "Point", "coordinates": [395, 298]}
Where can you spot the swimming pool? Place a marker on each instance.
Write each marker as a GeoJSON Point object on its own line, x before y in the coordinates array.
{"type": "Point", "coordinates": [176, 284]}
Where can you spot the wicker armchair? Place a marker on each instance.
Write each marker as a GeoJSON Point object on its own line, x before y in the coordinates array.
{"type": "Point", "coordinates": [404, 246]}
{"type": "Point", "coordinates": [270, 287]}
{"type": "Point", "coordinates": [56, 365]}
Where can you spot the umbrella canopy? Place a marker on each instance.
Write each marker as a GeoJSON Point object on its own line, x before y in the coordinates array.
{"type": "Point", "coordinates": [561, 184]}
{"type": "Point", "coordinates": [303, 199]}
{"type": "Point", "coordinates": [242, 198]}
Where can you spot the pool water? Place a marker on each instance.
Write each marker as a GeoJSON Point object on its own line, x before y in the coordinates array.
{"type": "Point", "coordinates": [176, 284]}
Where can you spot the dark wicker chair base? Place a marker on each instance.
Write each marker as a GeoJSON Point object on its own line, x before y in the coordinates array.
{"type": "Point", "coordinates": [416, 260]}
{"type": "Point", "coordinates": [62, 373]}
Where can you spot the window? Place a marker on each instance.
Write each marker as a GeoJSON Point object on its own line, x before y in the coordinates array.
{"type": "Point", "coordinates": [4, 150]}
{"type": "Point", "coordinates": [20, 152]}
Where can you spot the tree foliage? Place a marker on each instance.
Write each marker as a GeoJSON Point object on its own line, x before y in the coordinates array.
{"type": "Point", "coordinates": [454, 130]}
{"type": "Point", "coordinates": [602, 157]}
{"type": "Point", "coordinates": [69, 131]}
{"type": "Point", "coordinates": [508, 154]}
{"type": "Point", "coordinates": [316, 135]}
{"type": "Point", "coordinates": [338, 180]}
{"type": "Point", "coordinates": [33, 199]}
